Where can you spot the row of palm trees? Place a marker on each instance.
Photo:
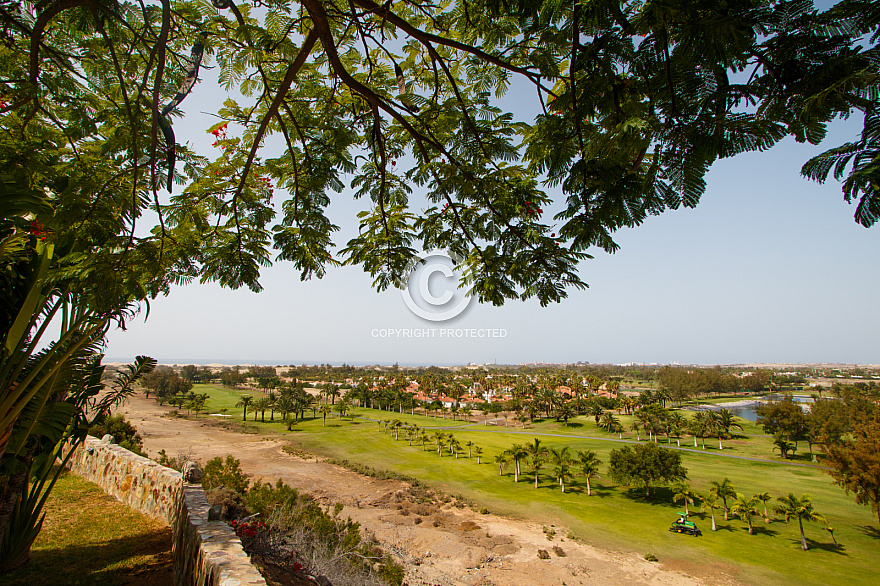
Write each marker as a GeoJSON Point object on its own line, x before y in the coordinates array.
{"type": "Point", "coordinates": [288, 401]}
{"type": "Point", "coordinates": [565, 465]}
{"type": "Point", "coordinates": [655, 420]}
{"type": "Point", "coordinates": [443, 441]}
{"type": "Point", "coordinates": [748, 509]}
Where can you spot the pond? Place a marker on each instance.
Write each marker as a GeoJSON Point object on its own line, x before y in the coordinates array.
{"type": "Point", "coordinates": [748, 409]}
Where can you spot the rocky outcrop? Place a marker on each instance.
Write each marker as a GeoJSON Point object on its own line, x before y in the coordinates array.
{"type": "Point", "coordinates": [204, 552]}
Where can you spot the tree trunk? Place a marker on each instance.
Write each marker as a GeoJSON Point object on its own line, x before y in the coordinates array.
{"type": "Point", "coordinates": [589, 492]}
{"type": "Point", "coordinates": [714, 527]}
{"type": "Point", "coordinates": [9, 495]}
{"type": "Point", "coordinates": [803, 537]}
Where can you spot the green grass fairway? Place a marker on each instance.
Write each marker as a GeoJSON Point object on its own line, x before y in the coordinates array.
{"type": "Point", "coordinates": [616, 518]}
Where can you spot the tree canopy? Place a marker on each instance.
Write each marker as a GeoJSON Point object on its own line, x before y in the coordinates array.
{"type": "Point", "coordinates": [636, 99]}
{"type": "Point", "coordinates": [645, 465]}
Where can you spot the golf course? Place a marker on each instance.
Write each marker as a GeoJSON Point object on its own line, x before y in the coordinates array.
{"type": "Point", "coordinates": [612, 517]}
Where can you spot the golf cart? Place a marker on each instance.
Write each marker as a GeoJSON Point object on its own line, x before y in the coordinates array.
{"type": "Point", "coordinates": [682, 525]}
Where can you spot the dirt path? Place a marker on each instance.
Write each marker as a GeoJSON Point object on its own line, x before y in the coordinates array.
{"type": "Point", "coordinates": [440, 545]}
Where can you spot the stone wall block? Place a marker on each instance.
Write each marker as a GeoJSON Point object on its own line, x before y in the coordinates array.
{"type": "Point", "coordinates": [205, 553]}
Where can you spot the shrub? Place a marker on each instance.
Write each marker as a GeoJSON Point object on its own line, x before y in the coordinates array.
{"type": "Point", "coordinates": [228, 474]}
{"type": "Point", "coordinates": [542, 553]}
{"type": "Point", "coordinates": [650, 557]}
{"type": "Point", "coordinates": [125, 434]}
{"type": "Point", "coordinates": [263, 498]}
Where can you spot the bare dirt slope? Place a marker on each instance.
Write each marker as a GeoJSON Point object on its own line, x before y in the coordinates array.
{"type": "Point", "coordinates": [440, 544]}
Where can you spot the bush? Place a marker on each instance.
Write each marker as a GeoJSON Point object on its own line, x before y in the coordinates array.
{"type": "Point", "coordinates": [176, 462]}
{"type": "Point", "coordinates": [543, 554]}
{"type": "Point", "coordinates": [125, 434]}
{"type": "Point", "coordinates": [219, 473]}
{"type": "Point", "coordinates": [263, 498]}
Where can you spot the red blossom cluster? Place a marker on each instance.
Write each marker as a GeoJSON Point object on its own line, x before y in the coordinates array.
{"type": "Point", "coordinates": [266, 183]}
{"type": "Point", "coordinates": [248, 528]}
{"type": "Point", "coordinates": [39, 230]}
{"type": "Point", "coordinates": [219, 133]}
{"type": "Point", "coordinates": [532, 210]}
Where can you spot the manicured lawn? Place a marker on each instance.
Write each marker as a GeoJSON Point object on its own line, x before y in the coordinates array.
{"type": "Point", "coordinates": [617, 518]}
{"type": "Point", "coordinates": [90, 538]}
{"type": "Point", "coordinates": [614, 517]}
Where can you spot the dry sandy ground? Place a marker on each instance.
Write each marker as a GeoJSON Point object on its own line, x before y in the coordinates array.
{"type": "Point", "coordinates": [450, 547]}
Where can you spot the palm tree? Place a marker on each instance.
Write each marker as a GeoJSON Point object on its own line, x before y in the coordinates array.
{"type": "Point", "coordinates": [784, 446]}
{"type": "Point", "coordinates": [563, 472]}
{"type": "Point", "coordinates": [609, 422]}
{"type": "Point", "coordinates": [273, 399]}
{"type": "Point", "coordinates": [324, 409]}
{"type": "Point", "coordinates": [565, 412]}
{"type": "Point", "coordinates": [713, 423]}
{"type": "Point", "coordinates": [502, 460]}
{"type": "Point", "coordinates": [561, 461]}
{"type": "Point", "coordinates": [589, 466]}
{"type": "Point", "coordinates": [439, 437]}
{"type": "Point", "coordinates": [675, 423]}
{"type": "Point", "coordinates": [284, 405]}
{"type": "Point", "coordinates": [710, 501]}
{"type": "Point", "coordinates": [245, 402]}
{"type": "Point", "coordinates": [723, 490]}
{"type": "Point", "coordinates": [636, 426]}
{"type": "Point", "coordinates": [764, 497]}
{"type": "Point", "coordinates": [596, 410]}
{"type": "Point", "coordinates": [682, 492]}
{"type": "Point", "coordinates": [535, 448]}
{"type": "Point", "coordinates": [699, 426]}
{"type": "Point", "coordinates": [517, 453]}
{"type": "Point", "coordinates": [478, 451]}
{"type": "Point", "coordinates": [802, 508]}
{"type": "Point", "coordinates": [746, 509]}
{"type": "Point", "coordinates": [261, 405]}
{"type": "Point", "coordinates": [537, 461]}
{"type": "Point", "coordinates": [728, 420]}
{"type": "Point", "coordinates": [469, 445]}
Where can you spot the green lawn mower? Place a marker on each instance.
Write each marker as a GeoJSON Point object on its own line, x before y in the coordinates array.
{"type": "Point", "coordinates": [682, 525]}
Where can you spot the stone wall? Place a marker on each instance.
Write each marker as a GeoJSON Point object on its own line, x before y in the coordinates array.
{"type": "Point", "coordinates": [205, 553]}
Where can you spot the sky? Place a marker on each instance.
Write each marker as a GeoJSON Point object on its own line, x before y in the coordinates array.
{"type": "Point", "coordinates": [769, 267]}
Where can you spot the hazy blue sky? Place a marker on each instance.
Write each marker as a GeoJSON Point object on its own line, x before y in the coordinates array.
{"type": "Point", "coordinates": [769, 267]}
